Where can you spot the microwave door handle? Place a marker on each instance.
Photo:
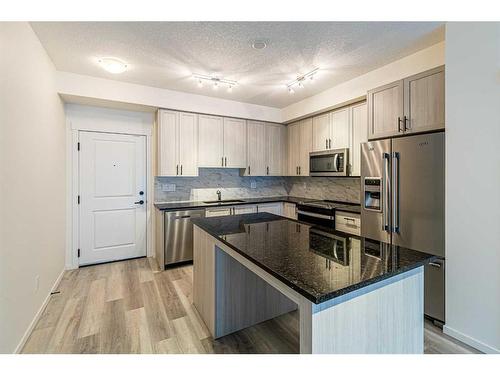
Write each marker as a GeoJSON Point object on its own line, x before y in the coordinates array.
{"type": "Point", "coordinates": [335, 162]}
{"type": "Point", "coordinates": [395, 193]}
{"type": "Point", "coordinates": [386, 193]}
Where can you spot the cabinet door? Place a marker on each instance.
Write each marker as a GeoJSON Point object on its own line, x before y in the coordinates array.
{"type": "Point", "coordinates": [188, 144]}
{"type": "Point", "coordinates": [272, 208]}
{"type": "Point", "coordinates": [293, 148]}
{"type": "Point", "coordinates": [305, 146]}
{"type": "Point", "coordinates": [385, 110]}
{"type": "Point", "coordinates": [359, 129]}
{"type": "Point", "coordinates": [424, 101]}
{"type": "Point", "coordinates": [235, 143]}
{"type": "Point", "coordinates": [290, 210]}
{"type": "Point", "coordinates": [275, 149]}
{"type": "Point", "coordinates": [167, 143]}
{"type": "Point", "coordinates": [221, 211]}
{"type": "Point", "coordinates": [256, 140]}
{"type": "Point", "coordinates": [340, 128]}
{"type": "Point", "coordinates": [210, 141]}
{"type": "Point", "coordinates": [239, 210]}
{"type": "Point", "coordinates": [321, 132]}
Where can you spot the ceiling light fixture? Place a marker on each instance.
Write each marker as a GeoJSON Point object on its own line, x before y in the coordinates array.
{"type": "Point", "coordinates": [215, 81]}
{"type": "Point", "coordinates": [112, 65]}
{"type": "Point", "coordinates": [300, 80]}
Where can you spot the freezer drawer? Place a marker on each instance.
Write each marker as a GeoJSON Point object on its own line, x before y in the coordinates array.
{"type": "Point", "coordinates": [434, 290]}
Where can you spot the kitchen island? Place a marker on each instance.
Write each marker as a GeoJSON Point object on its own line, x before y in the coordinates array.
{"type": "Point", "coordinates": [354, 295]}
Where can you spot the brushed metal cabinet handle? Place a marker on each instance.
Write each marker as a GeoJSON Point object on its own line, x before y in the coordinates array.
{"type": "Point", "coordinates": [267, 170]}
{"type": "Point", "coordinates": [326, 143]}
{"type": "Point", "coordinates": [435, 264]}
{"type": "Point", "coordinates": [222, 160]}
{"type": "Point", "coordinates": [177, 170]}
{"type": "Point", "coordinates": [248, 170]}
{"type": "Point", "coordinates": [225, 159]}
{"type": "Point", "coordinates": [399, 124]}
{"type": "Point", "coordinates": [405, 121]}
{"type": "Point", "coordinates": [181, 169]}
{"type": "Point", "coordinates": [330, 143]}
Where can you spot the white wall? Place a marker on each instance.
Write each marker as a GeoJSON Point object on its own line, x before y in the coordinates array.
{"type": "Point", "coordinates": [425, 59]}
{"type": "Point", "coordinates": [473, 184]}
{"type": "Point", "coordinates": [33, 181]}
{"type": "Point", "coordinates": [77, 85]}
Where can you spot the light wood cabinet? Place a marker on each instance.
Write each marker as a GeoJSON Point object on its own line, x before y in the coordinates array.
{"type": "Point", "coordinates": [222, 142]}
{"type": "Point", "coordinates": [218, 211]}
{"type": "Point", "coordinates": [321, 132]}
{"type": "Point", "coordinates": [299, 144]}
{"type": "Point", "coordinates": [256, 140]}
{"type": "Point", "coordinates": [340, 128]}
{"type": "Point", "coordinates": [275, 149]}
{"type": "Point", "coordinates": [290, 210]}
{"type": "Point", "coordinates": [239, 210]}
{"type": "Point", "coordinates": [177, 143]}
{"type": "Point", "coordinates": [359, 134]}
{"type": "Point", "coordinates": [293, 146]}
{"type": "Point", "coordinates": [210, 141]}
{"type": "Point", "coordinates": [424, 101]}
{"type": "Point", "coordinates": [266, 149]}
{"type": "Point", "coordinates": [272, 208]}
{"type": "Point", "coordinates": [412, 105]}
{"type": "Point", "coordinates": [235, 143]}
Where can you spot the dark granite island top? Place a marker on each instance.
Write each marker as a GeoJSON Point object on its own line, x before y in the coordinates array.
{"type": "Point", "coordinates": [318, 264]}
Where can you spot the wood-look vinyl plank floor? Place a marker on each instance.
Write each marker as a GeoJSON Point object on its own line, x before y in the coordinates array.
{"type": "Point", "coordinates": [128, 307]}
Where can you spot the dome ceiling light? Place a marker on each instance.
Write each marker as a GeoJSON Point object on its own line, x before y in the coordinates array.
{"type": "Point", "coordinates": [112, 65]}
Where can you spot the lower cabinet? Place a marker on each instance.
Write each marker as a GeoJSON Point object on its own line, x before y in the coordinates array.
{"type": "Point", "coordinates": [272, 208]}
{"type": "Point", "coordinates": [240, 210]}
{"type": "Point", "coordinates": [218, 211]}
{"type": "Point", "coordinates": [348, 222]}
{"type": "Point", "coordinates": [290, 210]}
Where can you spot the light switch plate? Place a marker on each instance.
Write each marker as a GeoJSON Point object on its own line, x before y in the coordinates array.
{"type": "Point", "coordinates": [168, 187]}
{"type": "Point", "coordinates": [253, 185]}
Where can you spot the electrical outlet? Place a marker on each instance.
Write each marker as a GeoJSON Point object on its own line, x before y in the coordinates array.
{"type": "Point", "coordinates": [37, 283]}
{"type": "Point", "coordinates": [168, 187]}
{"type": "Point", "coordinates": [253, 185]}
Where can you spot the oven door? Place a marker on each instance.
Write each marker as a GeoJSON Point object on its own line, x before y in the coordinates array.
{"type": "Point", "coordinates": [328, 163]}
{"type": "Point", "coordinates": [316, 218]}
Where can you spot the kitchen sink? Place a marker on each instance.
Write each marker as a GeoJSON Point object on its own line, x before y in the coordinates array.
{"type": "Point", "coordinates": [224, 201]}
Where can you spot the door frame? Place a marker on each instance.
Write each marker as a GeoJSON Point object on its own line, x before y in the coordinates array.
{"type": "Point", "coordinates": [88, 118]}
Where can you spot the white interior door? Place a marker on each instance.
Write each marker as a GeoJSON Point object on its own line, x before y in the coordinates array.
{"type": "Point", "coordinates": [112, 175]}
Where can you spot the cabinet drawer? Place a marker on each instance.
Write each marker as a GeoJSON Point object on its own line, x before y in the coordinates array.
{"type": "Point", "coordinates": [348, 222]}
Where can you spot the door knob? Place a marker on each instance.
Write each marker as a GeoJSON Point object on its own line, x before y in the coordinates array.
{"type": "Point", "coordinates": [139, 202]}
{"type": "Point", "coordinates": [141, 193]}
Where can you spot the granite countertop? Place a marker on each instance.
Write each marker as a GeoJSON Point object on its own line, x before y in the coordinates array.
{"type": "Point", "coordinates": [170, 206]}
{"type": "Point", "coordinates": [318, 264]}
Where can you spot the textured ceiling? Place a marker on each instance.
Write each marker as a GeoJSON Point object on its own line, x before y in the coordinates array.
{"type": "Point", "coordinates": [166, 54]}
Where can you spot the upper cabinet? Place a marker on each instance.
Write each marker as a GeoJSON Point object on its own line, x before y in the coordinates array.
{"type": "Point", "coordinates": [412, 105]}
{"type": "Point", "coordinates": [177, 143]}
{"type": "Point", "coordinates": [331, 130]}
{"type": "Point", "coordinates": [359, 134]}
{"type": "Point", "coordinates": [221, 142]}
{"type": "Point", "coordinates": [299, 144]}
{"type": "Point", "coordinates": [424, 101]}
{"type": "Point", "coordinates": [266, 149]}
{"type": "Point", "coordinates": [210, 141]}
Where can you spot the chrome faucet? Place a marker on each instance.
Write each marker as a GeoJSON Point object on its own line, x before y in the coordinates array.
{"type": "Point", "coordinates": [219, 195]}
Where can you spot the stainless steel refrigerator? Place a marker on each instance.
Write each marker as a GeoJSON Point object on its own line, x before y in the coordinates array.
{"type": "Point", "coordinates": [402, 188]}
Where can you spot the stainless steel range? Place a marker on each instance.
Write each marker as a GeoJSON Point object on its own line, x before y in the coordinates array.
{"type": "Point", "coordinates": [320, 212]}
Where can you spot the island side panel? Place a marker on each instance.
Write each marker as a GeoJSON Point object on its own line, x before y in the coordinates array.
{"type": "Point", "coordinates": [388, 318]}
{"type": "Point", "coordinates": [243, 299]}
{"type": "Point", "coordinates": [204, 277]}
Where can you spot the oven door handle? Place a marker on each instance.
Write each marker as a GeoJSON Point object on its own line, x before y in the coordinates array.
{"type": "Point", "coordinates": [312, 214]}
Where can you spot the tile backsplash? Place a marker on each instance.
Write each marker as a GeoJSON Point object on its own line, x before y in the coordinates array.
{"type": "Point", "coordinates": [232, 185]}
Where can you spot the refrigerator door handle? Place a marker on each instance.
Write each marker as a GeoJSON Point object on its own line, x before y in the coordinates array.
{"type": "Point", "coordinates": [386, 193]}
{"type": "Point", "coordinates": [395, 192]}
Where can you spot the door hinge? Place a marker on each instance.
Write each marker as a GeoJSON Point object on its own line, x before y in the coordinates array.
{"type": "Point", "coordinates": [78, 253]}
{"type": "Point", "coordinates": [78, 146]}
{"type": "Point", "coordinates": [78, 199]}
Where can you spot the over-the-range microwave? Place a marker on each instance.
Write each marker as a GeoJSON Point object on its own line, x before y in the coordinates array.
{"type": "Point", "coordinates": [329, 163]}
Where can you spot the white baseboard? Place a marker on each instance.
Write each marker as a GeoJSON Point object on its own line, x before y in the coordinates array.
{"type": "Point", "coordinates": [38, 315]}
{"type": "Point", "coordinates": [485, 348]}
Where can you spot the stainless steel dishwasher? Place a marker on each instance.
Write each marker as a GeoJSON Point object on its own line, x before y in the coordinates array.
{"type": "Point", "coordinates": [179, 235]}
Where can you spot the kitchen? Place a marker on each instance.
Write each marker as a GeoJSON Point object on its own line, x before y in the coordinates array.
{"type": "Point", "coordinates": [328, 210]}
